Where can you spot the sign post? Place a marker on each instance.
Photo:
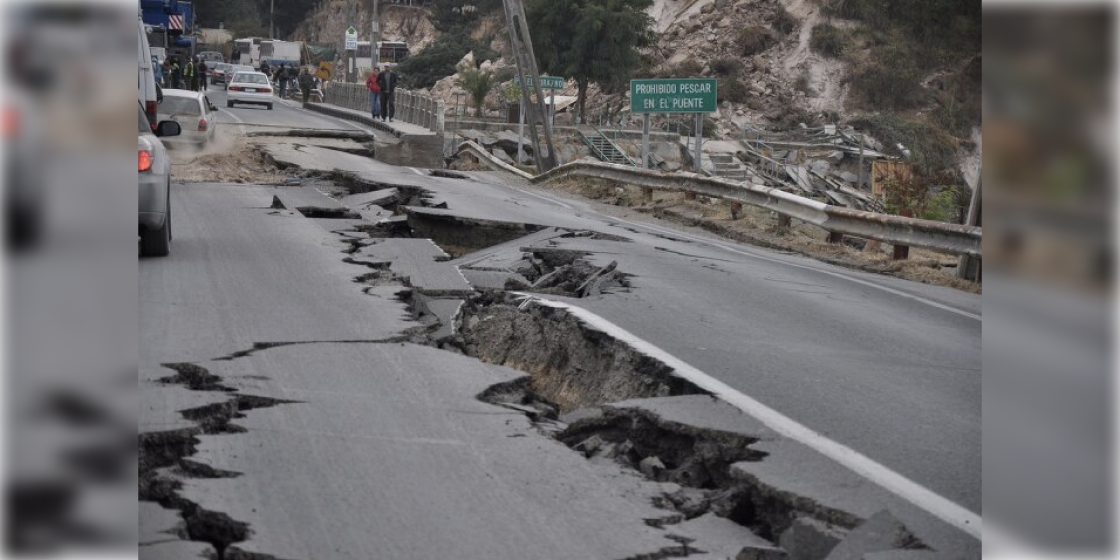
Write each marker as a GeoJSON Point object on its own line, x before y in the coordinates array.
{"type": "Point", "coordinates": [350, 45]}
{"type": "Point", "coordinates": [645, 141]}
{"type": "Point", "coordinates": [683, 95]}
{"type": "Point", "coordinates": [551, 83]}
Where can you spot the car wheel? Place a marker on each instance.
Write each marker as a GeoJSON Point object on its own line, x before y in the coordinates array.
{"type": "Point", "coordinates": [229, 104]}
{"type": "Point", "coordinates": [268, 106]}
{"type": "Point", "coordinates": [158, 243]}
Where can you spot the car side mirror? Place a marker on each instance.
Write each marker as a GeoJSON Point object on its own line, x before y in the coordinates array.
{"type": "Point", "coordinates": [168, 128]}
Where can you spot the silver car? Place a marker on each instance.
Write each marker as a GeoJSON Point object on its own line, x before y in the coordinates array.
{"type": "Point", "coordinates": [155, 186]}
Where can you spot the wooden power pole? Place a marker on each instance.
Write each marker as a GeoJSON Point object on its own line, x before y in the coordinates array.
{"type": "Point", "coordinates": [522, 45]}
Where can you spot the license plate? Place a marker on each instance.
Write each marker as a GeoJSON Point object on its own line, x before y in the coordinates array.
{"type": "Point", "coordinates": [250, 90]}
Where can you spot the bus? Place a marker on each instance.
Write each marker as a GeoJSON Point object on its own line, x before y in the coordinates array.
{"type": "Point", "coordinates": [281, 52]}
{"type": "Point", "coordinates": [249, 51]}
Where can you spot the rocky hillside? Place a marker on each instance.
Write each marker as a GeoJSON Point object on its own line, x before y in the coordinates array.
{"type": "Point", "coordinates": [328, 23]}
{"type": "Point", "coordinates": [780, 63]}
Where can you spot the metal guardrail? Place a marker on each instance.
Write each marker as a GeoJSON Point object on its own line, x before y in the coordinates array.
{"type": "Point", "coordinates": [411, 107]}
{"type": "Point", "coordinates": [896, 230]}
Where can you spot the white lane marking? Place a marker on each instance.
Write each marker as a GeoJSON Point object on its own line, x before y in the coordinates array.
{"type": "Point", "coordinates": [416, 171]}
{"type": "Point", "coordinates": [890, 480]}
{"type": "Point", "coordinates": [737, 251]}
{"type": "Point", "coordinates": [235, 118]}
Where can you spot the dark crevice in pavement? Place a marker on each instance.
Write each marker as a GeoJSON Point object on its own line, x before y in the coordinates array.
{"type": "Point", "coordinates": [259, 346]}
{"type": "Point", "coordinates": [328, 213]}
{"type": "Point", "coordinates": [164, 460]}
{"type": "Point", "coordinates": [682, 549]}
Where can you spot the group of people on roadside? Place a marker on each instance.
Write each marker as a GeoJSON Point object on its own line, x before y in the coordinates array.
{"type": "Point", "coordinates": [382, 92]}
{"type": "Point", "coordinates": [191, 75]}
{"type": "Point", "coordinates": [283, 75]}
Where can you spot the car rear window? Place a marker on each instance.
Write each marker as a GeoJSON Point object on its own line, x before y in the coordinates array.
{"type": "Point", "coordinates": [179, 106]}
{"type": "Point", "coordinates": [250, 78]}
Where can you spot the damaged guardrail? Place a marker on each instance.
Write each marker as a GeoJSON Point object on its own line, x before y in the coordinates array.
{"type": "Point", "coordinates": [896, 230]}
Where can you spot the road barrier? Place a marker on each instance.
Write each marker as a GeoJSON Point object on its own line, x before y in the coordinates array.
{"type": "Point", "coordinates": [411, 107]}
{"type": "Point", "coordinates": [896, 230]}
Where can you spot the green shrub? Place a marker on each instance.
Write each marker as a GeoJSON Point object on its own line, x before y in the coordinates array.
{"type": "Point", "coordinates": [784, 23]}
{"type": "Point", "coordinates": [726, 66]}
{"type": "Point", "coordinates": [754, 39]}
{"type": "Point", "coordinates": [802, 84]}
{"type": "Point", "coordinates": [891, 81]}
{"type": "Point", "coordinates": [829, 40]}
{"type": "Point", "coordinates": [477, 84]}
{"type": "Point", "coordinates": [733, 90]}
{"type": "Point", "coordinates": [942, 206]}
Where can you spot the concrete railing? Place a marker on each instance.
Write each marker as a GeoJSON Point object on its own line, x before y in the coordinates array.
{"type": "Point", "coordinates": [896, 230]}
{"type": "Point", "coordinates": [411, 107]}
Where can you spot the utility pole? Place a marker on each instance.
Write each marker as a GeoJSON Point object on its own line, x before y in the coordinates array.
{"type": "Point", "coordinates": [375, 33]}
{"type": "Point", "coordinates": [271, 27]}
{"type": "Point", "coordinates": [522, 45]}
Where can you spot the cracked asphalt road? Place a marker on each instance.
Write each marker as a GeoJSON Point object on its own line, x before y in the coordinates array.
{"type": "Point", "coordinates": [384, 449]}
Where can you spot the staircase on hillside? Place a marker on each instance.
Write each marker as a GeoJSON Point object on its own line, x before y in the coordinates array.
{"type": "Point", "coordinates": [727, 166]}
{"type": "Point", "coordinates": [605, 149]}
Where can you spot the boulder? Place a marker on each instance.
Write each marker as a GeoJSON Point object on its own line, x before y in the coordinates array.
{"type": "Point", "coordinates": [809, 539]}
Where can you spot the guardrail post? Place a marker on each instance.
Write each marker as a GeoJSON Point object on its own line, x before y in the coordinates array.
{"type": "Point", "coordinates": [690, 195]}
{"type": "Point", "coordinates": [901, 252]}
{"type": "Point", "coordinates": [736, 208]}
{"type": "Point", "coordinates": [835, 237]}
{"type": "Point", "coordinates": [784, 221]}
{"type": "Point", "coordinates": [647, 194]}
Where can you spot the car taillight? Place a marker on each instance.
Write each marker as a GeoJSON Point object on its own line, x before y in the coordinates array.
{"type": "Point", "coordinates": [202, 124]}
{"type": "Point", "coordinates": [10, 123]}
{"type": "Point", "coordinates": [264, 90]}
{"type": "Point", "coordinates": [235, 88]}
{"type": "Point", "coordinates": [150, 109]}
{"type": "Point", "coordinates": [145, 160]}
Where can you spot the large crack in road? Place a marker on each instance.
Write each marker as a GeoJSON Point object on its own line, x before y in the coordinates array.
{"type": "Point", "coordinates": [575, 375]}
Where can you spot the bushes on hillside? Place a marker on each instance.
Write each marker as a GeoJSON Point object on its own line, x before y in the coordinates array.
{"type": "Point", "coordinates": [891, 81]}
{"type": "Point", "coordinates": [829, 40]}
{"type": "Point", "coordinates": [438, 60]}
{"type": "Point", "coordinates": [726, 66]}
{"type": "Point", "coordinates": [754, 39]}
{"type": "Point", "coordinates": [784, 23]}
{"type": "Point", "coordinates": [731, 89]}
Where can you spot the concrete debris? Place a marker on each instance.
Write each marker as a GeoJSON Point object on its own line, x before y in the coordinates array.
{"type": "Point", "coordinates": [881, 532]}
{"type": "Point", "coordinates": [810, 539]}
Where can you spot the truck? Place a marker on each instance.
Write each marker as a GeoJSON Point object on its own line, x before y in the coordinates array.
{"type": "Point", "coordinates": [170, 25]}
{"type": "Point", "coordinates": [278, 52]}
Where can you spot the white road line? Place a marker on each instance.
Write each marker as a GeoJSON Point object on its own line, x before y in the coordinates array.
{"type": "Point", "coordinates": [890, 480]}
{"type": "Point", "coordinates": [737, 251]}
{"type": "Point", "coordinates": [416, 171]}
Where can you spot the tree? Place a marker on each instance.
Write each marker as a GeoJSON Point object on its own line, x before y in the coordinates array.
{"type": "Point", "coordinates": [590, 41]}
{"type": "Point", "coordinates": [477, 84]}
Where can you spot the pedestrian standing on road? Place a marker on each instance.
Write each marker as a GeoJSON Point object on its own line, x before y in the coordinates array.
{"type": "Point", "coordinates": [166, 73]}
{"type": "Point", "coordinates": [159, 73]}
{"type": "Point", "coordinates": [265, 69]}
{"type": "Point", "coordinates": [374, 87]}
{"type": "Point", "coordinates": [202, 68]}
{"type": "Point", "coordinates": [282, 79]}
{"type": "Point", "coordinates": [388, 82]}
{"type": "Point", "coordinates": [188, 75]}
{"type": "Point", "coordinates": [175, 72]}
{"type": "Point", "coordinates": [305, 84]}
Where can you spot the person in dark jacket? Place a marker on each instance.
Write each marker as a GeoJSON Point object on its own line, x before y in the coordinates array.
{"type": "Point", "coordinates": [282, 80]}
{"type": "Point", "coordinates": [305, 83]}
{"type": "Point", "coordinates": [202, 69]}
{"type": "Point", "coordinates": [176, 74]}
{"type": "Point", "coordinates": [388, 82]}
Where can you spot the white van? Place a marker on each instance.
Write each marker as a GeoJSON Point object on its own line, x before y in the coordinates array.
{"type": "Point", "coordinates": [148, 92]}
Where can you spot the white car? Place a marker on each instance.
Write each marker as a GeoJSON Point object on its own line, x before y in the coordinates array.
{"type": "Point", "coordinates": [193, 111]}
{"type": "Point", "coordinates": [250, 87]}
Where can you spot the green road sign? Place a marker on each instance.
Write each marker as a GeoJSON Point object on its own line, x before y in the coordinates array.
{"type": "Point", "coordinates": [687, 95]}
{"type": "Point", "coordinates": [547, 82]}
